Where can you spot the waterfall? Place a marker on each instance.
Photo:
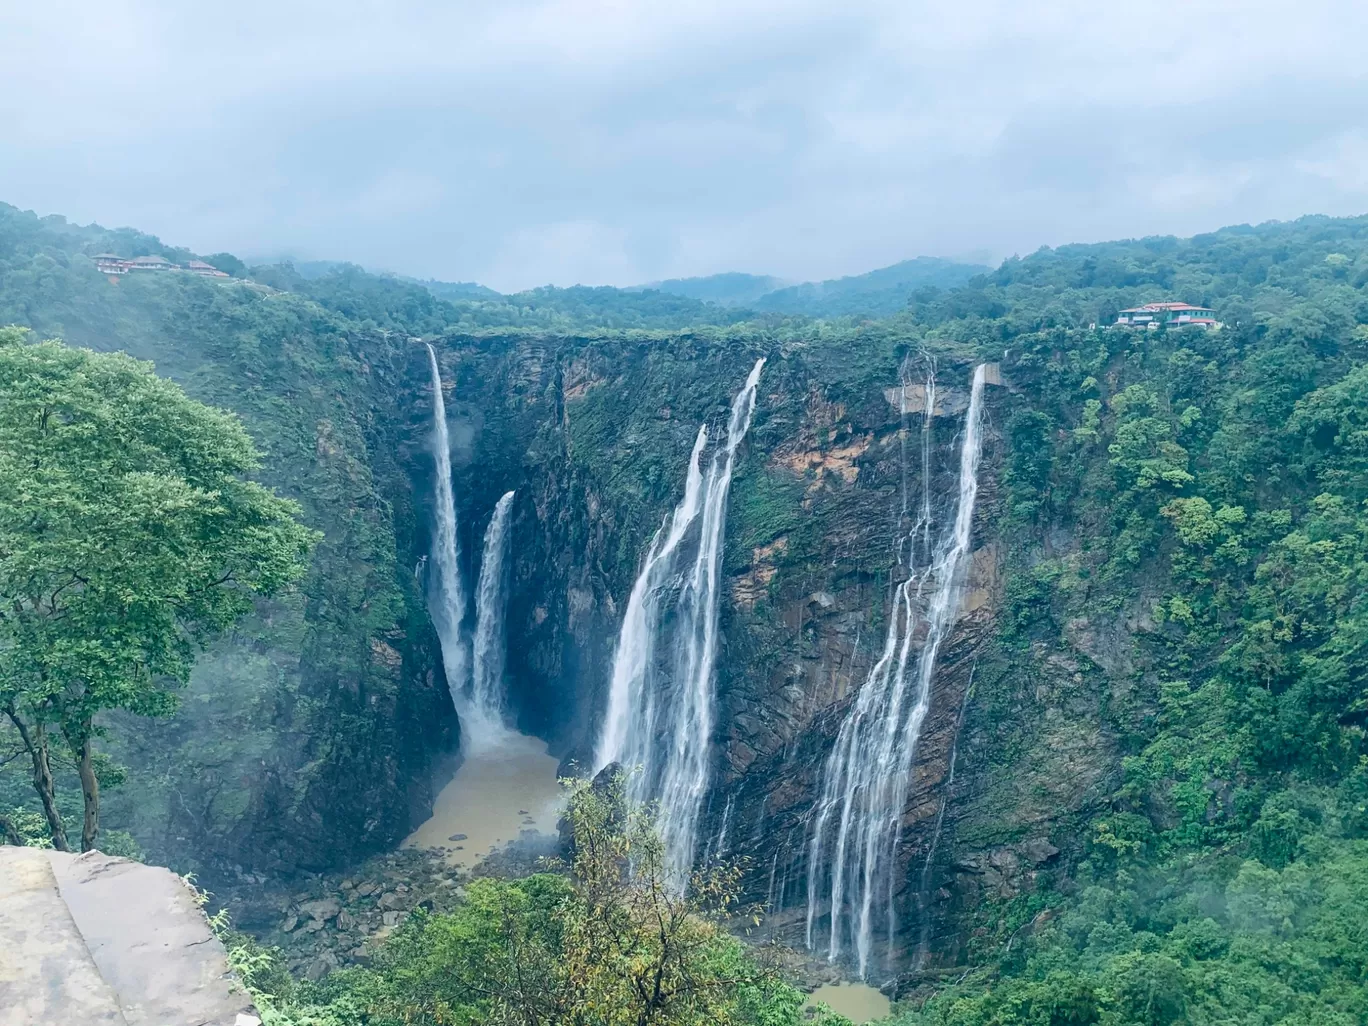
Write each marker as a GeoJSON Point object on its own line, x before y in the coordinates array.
{"type": "Point", "coordinates": [447, 599]}
{"type": "Point", "coordinates": [658, 725]}
{"type": "Point", "coordinates": [858, 815]}
{"type": "Point", "coordinates": [486, 708]}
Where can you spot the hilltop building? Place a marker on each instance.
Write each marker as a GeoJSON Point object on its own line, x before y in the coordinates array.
{"type": "Point", "coordinates": [1175, 315]}
{"type": "Point", "coordinates": [108, 263]}
{"type": "Point", "coordinates": [208, 270]}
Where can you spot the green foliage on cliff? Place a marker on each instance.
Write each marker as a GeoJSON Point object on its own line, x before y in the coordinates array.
{"type": "Point", "coordinates": [1207, 489]}
{"type": "Point", "coordinates": [306, 731]}
{"type": "Point", "coordinates": [128, 538]}
{"type": "Point", "coordinates": [604, 940]}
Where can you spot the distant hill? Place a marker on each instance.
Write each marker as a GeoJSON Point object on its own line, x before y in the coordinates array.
{"type": "Point", "coordinates": [456, 290]}
{"type": "Point", "coordinates": [710, 299]}
{"type": "Point", "coordinates": [608, 307]}
{"type": "Point", "coordinates": [732, 288]}
{"type": "Point", "coordinates": [875, 294]}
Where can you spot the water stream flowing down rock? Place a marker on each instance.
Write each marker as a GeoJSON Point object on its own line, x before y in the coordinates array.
{"type": "Point", "coordinates": [446, 594]}
{"type": "Point", "coordinates": [857, 819]}
{"type": "Point", "coordinates": [659, 723]}
{"type": "Point", "coordinates": [486, 707]}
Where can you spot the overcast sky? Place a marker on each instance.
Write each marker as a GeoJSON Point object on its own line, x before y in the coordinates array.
{"type": "Point", "coordinates": [523, 143]}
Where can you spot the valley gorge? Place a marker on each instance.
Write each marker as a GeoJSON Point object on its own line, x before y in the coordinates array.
{"type": "Point", "coordinates": [975, 571]}
{"type": "Point", "coordinates": [592, 436]}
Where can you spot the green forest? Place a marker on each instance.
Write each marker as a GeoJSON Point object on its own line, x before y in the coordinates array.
{"type": "Point", "coordinates": [1195, 499]}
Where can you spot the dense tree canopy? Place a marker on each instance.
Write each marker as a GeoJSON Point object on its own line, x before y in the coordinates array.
{"type": "Point", "coordinates": [1213, 484]}
{"type": "Point", "coordinates": [129, 533]}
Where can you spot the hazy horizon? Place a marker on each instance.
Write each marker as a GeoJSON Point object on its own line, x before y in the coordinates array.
{"type": "Point", "coordinates": [570, 141]}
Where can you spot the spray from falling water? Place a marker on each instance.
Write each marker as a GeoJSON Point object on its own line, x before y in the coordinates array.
{"type": "Point", "coordinates": [446, 599]}
{"type": "Point", "coordinates": [659, 725]}
{"type": "Point", "coordinates": [485, 710]}
{"type": "Point", "coordinates": [865, 780]}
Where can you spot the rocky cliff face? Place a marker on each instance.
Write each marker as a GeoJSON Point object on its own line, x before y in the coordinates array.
{"type": "Point", "coordinates": [595, 434]}
{"type": "Point", "coordinates": [315, 733]}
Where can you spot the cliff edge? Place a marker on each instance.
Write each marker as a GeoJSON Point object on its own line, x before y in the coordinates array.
{"type": "Point", "coordinates": [105, 941]}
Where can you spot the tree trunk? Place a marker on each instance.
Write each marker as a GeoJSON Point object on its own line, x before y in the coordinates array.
{"type": "Point", "coordinates": [35, 742]}
{"type": "Point", "coordinates": [83, 748]}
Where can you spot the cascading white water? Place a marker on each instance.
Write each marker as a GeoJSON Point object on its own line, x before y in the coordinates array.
{"type": "Point", "coordinates": [446, 598]}
{"type": "Point", "coordinates": [864, 786]}
{"type": "Point", "coordinates": [485, 711]}
{"type": "Point", "coordinates": [659, 724]}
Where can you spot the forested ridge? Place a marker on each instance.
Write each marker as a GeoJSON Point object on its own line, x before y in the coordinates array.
{"type": "Point", "coordinates": [1208, 488]}
{"type": "Point", "coordinates": [1182, 534]}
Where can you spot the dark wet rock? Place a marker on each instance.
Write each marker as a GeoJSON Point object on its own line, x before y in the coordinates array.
{"type": "Point", "coordinates": [321, 908]}
{"type": "Point", "coordinates": [1039, 850]}
{"type": "Point", "coordinates": [457, 837]}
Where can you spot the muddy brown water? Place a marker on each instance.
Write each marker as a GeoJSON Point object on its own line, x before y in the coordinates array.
{"type": "Point", "coordinates": [501, 791]}
{"type": "Point", "coordinates": [858, 1002]}
{"type": "Point", "coordinates": [496, 794]}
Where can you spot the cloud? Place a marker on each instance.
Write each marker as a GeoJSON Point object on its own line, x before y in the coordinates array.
{"type": "Point", "coordinates": [612, 141]}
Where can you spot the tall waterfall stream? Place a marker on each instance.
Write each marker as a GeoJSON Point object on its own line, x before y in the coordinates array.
{"type": "Point", "coordinates": [658, 724]}
{"type": "Point", "coordinates": [486, 706]}
{"type": "Point", "coordinates": [661, 705]}
{"type": "Point", "coordinates": [446, 595]}
{"type": "Point", "coordinates": [857, 819]}
{"type": "Point", "coordinates": [506, 783]}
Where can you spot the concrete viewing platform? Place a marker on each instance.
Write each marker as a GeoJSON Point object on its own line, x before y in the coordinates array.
{"type": "Point", "coordinates": [102, 941]}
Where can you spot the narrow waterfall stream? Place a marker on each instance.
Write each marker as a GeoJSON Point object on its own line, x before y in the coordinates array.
{"type": "Point", "coordinates": [446, 594]}
{"type": "Point", "coordinates": [506, 782]}
{"type": "Point", "coordinates": [486, 707]}
{"type": "Point", "coordinates": [864, 785]}
{"type": "Point", "coordinates": [658, 725]}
